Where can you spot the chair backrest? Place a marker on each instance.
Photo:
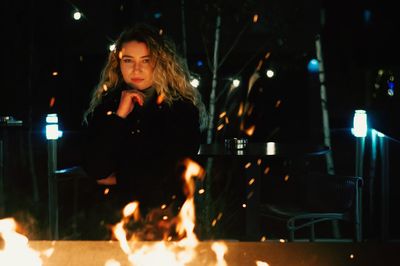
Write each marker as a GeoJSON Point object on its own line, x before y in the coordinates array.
{"type": "Point", "coordinates": [76, 172]}
{"type": "Point", "coordinates": [332, 193]}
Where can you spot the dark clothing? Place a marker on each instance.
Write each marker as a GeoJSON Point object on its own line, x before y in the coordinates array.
{"type": "Point", "coordinates": [144, 149]}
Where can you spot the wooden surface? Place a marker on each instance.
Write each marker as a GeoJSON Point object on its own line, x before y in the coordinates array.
{"type": "Point", "coordinates": [69, 253]}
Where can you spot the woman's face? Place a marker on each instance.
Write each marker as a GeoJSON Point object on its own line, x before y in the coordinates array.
{"type": "Point", "coordinates": [136, 65]}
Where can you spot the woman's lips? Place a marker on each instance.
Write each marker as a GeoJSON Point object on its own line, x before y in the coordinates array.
{"type": "Point", "coordinates": [137, 80]}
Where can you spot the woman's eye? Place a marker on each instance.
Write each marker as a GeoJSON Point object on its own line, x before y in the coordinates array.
{"type": "Point", "coordinates": [146, 61]}
{"type": "Point", "coordinates": [126, 60]}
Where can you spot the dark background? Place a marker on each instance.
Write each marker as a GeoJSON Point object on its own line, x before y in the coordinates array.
{"type": "Point", "coordinates": [357, 38]}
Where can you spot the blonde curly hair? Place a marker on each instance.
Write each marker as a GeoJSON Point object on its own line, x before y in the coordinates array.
{"type": "Point", "coordinates": [171, 77]}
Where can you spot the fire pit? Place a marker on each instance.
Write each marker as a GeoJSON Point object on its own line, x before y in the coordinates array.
{"type": "Point", "coordinates": [15, 249]}
{"type": "Point", "coordinates": [238, 253]}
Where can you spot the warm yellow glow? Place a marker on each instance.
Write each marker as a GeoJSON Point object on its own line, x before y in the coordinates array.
{"type": "Point", "coordinates": [286, 178]}
{"type": "Point", "coordinates": [112, 262]}
{"type": "Point", "coordinates": [214, 222]}
{"type": "Point", "coordinates": [105, 88]}
{"type": "Point", "coordinates": [266, 170]}
{"type": "Point", "coordinates": [259, 161]}
{"type": "Point", "coordinates": [244, 205]}
{"type": "Point", "coordinates": [261, 263]}
{"type": "Point", "coordinates": [16, 250]}
{"type": "Point", "coordinates": [132, 208]}
{"type": "Point", "coordinates": [240, 111]}
{"type": "Point", "coordinates": [201, 191]}
{"type": "Point", "coordinates": [106, 191]}
{"type": "Point", "coordinates": [160, 99]}
{"type": "Point", "coordinates": [250, 130]}
{"type": "Point", "coordinates": [250, 110]}
{"type": "Point", "coordinates": [255, 18]}
{"type": "Point", "coordinates": [55, 73]}
{"type": "Point", "coordinates": [220, 127]}
{"type": "Point", "coordinates": [221, 115]}
{"type": "Point", "coordinates": [247, 165]}
{"type": "Point", "coordinates": [278, 103]}
{"type": "Point", "coordinates": [251, 182]}
{"type": "Point", "coordinates": [220, 250]}
{"type": "Point", "coordinates": [226, 120]}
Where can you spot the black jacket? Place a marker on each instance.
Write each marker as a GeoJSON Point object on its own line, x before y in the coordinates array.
{"type": "Point", "coordinates": [144, 150]}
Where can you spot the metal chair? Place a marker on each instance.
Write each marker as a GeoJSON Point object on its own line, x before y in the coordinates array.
{"type": "Point", "coordinates": [74, 174]}
{"type": "Point", "coordinates": [326, 198]}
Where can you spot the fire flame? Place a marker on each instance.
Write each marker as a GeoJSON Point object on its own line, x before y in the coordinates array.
{"type": "Point", "coordinates": [16, 250]}
{"type": "Point", "coordinates": [171, 253]}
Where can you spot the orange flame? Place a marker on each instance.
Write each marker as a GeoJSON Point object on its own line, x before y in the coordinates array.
{"type": "Point", "coordinates": [16, 249]}
{"type": "Point", "coordinates": [163, 252]}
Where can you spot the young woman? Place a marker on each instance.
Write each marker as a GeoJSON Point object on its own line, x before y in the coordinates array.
{"type": "Point", "coordinates": [144, 116]}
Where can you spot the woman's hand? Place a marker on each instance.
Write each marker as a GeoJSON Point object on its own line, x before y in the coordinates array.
{"type": "Point", "coordinates": [128, 100]}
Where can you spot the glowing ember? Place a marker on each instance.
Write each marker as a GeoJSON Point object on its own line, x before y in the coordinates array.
{"type": "Point", "coordinates": [286, 178]}
{"type": "Point", "coordinates": [160, 99]}
{"type": "Point", "coordinates": [250, 131]}
{"type": "Point", "coordinates": [251, 181]}
{"type": "Point", "coordinates": [255, 18]}
{"type": "Point", "coordinates": [240, 111]}
{"type": "Point", "coordinates": [250, 110]}
{"type": "Point", "coordinates": [266, 170]}
{"type": "Point", "coordinates": [52, 101]}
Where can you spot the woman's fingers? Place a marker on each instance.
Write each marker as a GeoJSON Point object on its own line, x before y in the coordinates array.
{"type": "Point", "coordinates": [137, 97]}
{"type": "Point", "coordinates": [128, 100]}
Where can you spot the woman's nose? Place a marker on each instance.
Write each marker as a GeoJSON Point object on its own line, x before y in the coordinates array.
{"type": "Point", "coordinates": [136, 67]}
